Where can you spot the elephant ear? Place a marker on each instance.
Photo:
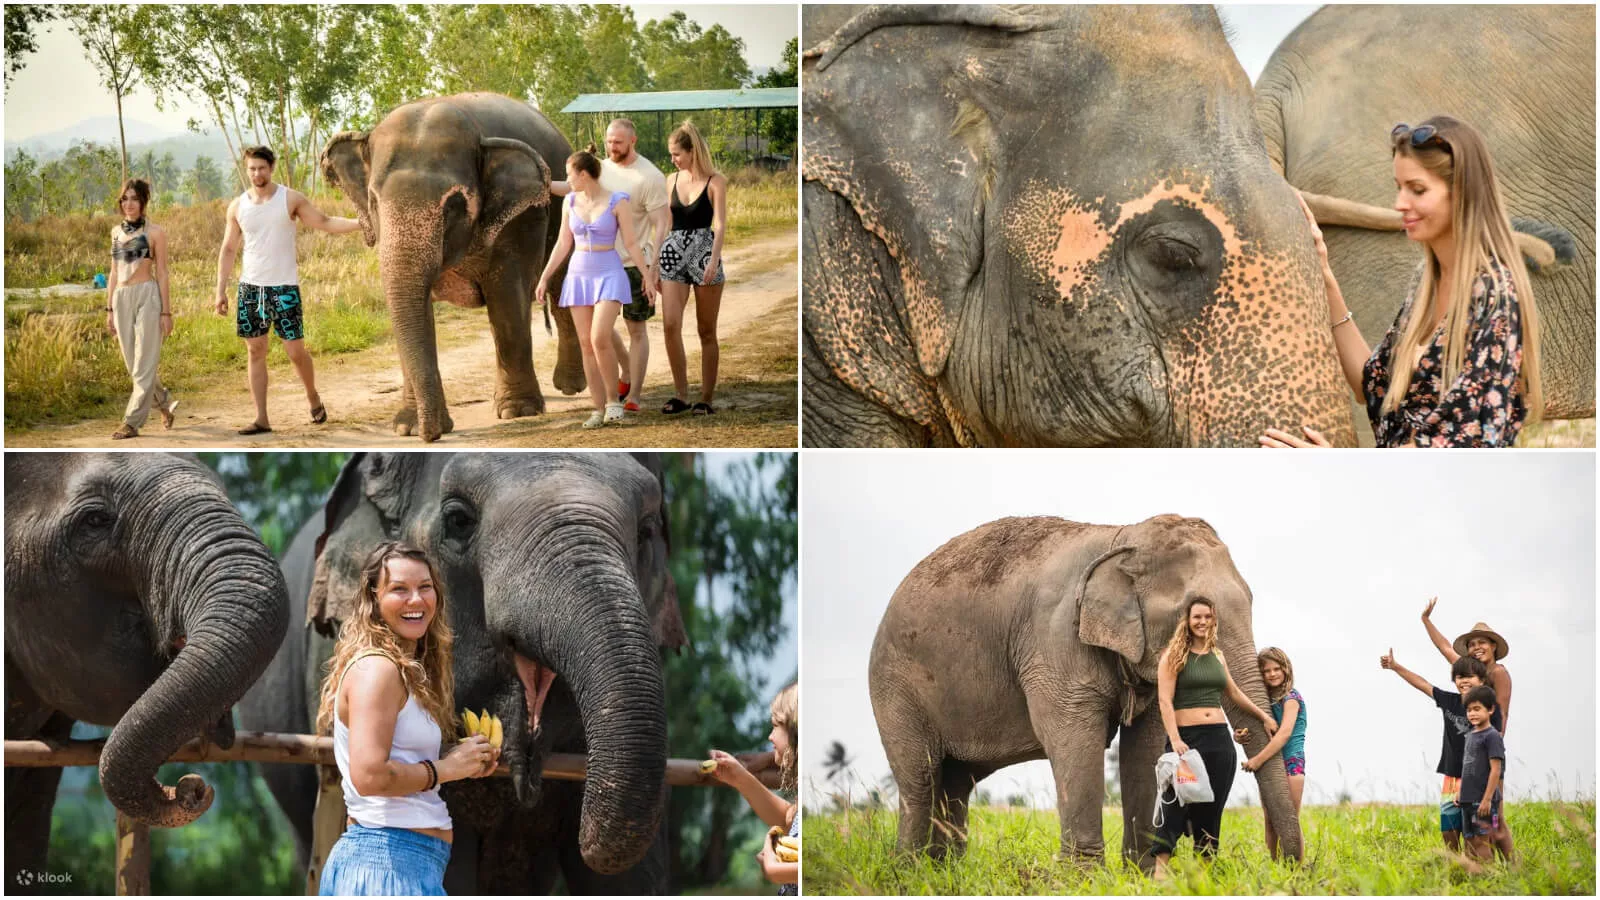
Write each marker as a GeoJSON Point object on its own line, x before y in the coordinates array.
{"type": "Point", "coordinates": [1109, 612]}
{"type": "Point", "coordinates": [916, 178]}
{"type": "Point", "coordinates": [514, 179]}
{"type": "Point", "coordinates": [335, 578]}
{"type": "Point", "coordinates": [652, 569]}
{"type": "Point", "coordinates": [347, 162]}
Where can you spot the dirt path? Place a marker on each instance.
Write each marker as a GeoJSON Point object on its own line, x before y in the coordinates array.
{"type": "Point", "coordinates": [756, 393]}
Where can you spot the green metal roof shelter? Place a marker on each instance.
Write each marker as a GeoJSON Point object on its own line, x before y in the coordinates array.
{"type": "Point", "coordinates": [595, 111]}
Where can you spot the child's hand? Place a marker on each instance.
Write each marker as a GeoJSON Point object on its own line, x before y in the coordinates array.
{"type": "Point", "coordinates": [1241, 734]}
{"type": "Point", "coordinates": [1387, 660]}
{"type": "Point", "coordinates": [1251, 764]}
{"type": "Point", "coordinates": [1269, 725]}
{"type": "Point", "coordinates": [728, 770]}
{"type": "Point", "coordinates": [1483, 808]}
{"type": "Point", "coordinates": [1427, 610]}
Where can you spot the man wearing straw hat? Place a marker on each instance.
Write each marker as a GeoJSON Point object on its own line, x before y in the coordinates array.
{"type": "Point", "coordinates": [1488, 647]}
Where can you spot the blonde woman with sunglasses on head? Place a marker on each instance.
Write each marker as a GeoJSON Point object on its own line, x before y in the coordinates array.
{"type": "Point", "coordinates": [1460, 365]}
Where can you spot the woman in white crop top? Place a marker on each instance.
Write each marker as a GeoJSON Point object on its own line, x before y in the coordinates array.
{"type": "Point", "coordinates": [389, 688]}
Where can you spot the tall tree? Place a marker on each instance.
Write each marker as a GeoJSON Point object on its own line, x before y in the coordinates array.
{"type": "Point", "coordinates": [23, 189]}
{"type": "Point", "coordinates": [781, 127]}
{"type": "Point", "coordinates": [204, 181]}
{"type": "Point", "coordinates": [107, 34]}
{"type": "Point", "coordinates": [21, 20]}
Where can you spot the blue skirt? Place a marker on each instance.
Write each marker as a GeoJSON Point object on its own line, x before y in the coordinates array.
{"type": "Point", "coordinates": [385, 862]}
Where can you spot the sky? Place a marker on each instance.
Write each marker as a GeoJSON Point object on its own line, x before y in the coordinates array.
{"type": "Point", "coordinates": [1341, 551]}
{"type": "Point", "coordinates": [59, 70]}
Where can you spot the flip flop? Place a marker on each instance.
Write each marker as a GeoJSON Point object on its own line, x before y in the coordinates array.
{"type": "Point", "coordinates": [622, 390]}
{"type": "Point", "coordinates": [702, 409]}
{"type": "Point", "coordinates": [255, 428]}
{"type": "Point", "coordinates": [674, 406]}
{"type": "Point", "coordinates": [319, 415]}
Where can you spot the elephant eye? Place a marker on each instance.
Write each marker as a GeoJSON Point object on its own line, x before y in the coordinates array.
{"type": "Point", "coordinates": [459, 523]}
{"type": "Point", "coordinates": [1174, 255]}
{"type": "Point", "coordinates": [98, 519]}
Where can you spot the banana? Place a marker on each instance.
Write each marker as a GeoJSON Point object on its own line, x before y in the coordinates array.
{"type": "Point", "coordinates": [791, 842]}
{"type": "Point", "coordinates": [776, 831]}
{"type": "Point", "coordinates": [787, 854]}
{"type": "Point", "coordinates": [471, 719]}
{"type": "Point", "coordinates": [708, 766]}
{"type": "Point", "coordinates": [483, 722]}
{"type": "Point", "coordinates": [496, 732]}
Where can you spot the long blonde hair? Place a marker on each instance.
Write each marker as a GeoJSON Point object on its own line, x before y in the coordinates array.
{"type": "Point", "coordinates": [425, 672]}
{"type": "Point", "coordinates": [786, 715]}
{"type": "Point", "coordinates": [1282, 659]}
{"type": "Point", "coordinates": [687, 138]}
{"type": "Point", "coordinates": [1176, 656]}
{"type": "Point", "coordinates": [1482, 231]}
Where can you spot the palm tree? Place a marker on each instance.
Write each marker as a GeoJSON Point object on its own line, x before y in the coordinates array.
{"type": "Point", "coordinates": [836, 761]}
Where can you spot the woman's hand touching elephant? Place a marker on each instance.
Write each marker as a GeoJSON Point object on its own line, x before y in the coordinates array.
{"type": "Point", "coordinates": [1269, 724]}
{"type": "Point", "coordinates": [472, 758]}
{"type": "Point", "coordinates": [1240, 735]}
{"type": "Point", "coordinates": [1279, 439]}
{"type": "Point", "coordinates": [1316, 237]}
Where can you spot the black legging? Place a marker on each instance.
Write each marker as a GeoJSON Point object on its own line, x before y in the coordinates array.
{"type": "Point", "coordinates": [1201, 821]}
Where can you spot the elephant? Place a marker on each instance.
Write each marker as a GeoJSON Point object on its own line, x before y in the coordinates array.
{"type": "Point", "coordinates": [136, 597]}
{"type": "Point", "coordinates": [1040, 638]}
{"type": "Point", "coordinates": [455, 194]}
{"type": "Point", "coordinates": [1523, 76]}
{"type": "Point", "coordinates": [554, 576]}
{"type": "Point", "coordinates": [1049, 226]}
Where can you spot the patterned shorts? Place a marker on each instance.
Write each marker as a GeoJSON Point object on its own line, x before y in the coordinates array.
{"type": "Point", "coordinates": [638, 308]}
{"type": "Point", "coordinates": [1449, 812]}
{"type": "Point", "coordinates": [685, 255]}
{"type": "Point", "coordinates": [1474, 825]}
{"type": "Point", "coordinates": [1294, 765]}
{"type": "Point", "coordinates": [277, 308]}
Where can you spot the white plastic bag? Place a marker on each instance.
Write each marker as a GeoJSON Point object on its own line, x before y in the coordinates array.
{"type": "Point", "coordinates": [1186, 776]}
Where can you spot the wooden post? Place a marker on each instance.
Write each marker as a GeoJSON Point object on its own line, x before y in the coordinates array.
{"type": "Point", "coordinates": [327, 823]}
{"type": "Point", "coordinates": [133, 857]}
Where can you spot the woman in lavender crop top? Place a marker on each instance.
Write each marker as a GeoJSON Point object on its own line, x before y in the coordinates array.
{"type": "Point", "coordinates": [596, 286]}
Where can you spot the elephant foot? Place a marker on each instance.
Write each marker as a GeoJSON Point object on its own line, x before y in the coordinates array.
{"type": "Point", "coordinates": [405, 422]}
{"type": "Point", "coordinates": [516, 407]}
{"type": "Point", "coordinates": [569, 381]}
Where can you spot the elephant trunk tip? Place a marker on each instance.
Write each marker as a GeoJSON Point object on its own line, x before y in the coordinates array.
{"type": "Point", "coordinates": [160, 806]}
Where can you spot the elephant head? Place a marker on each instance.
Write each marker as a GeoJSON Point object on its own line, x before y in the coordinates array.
{"type": "Point", "coordinates": [1130, 600]}
{"type": "Point", "coordinates": [555, 569]}
{"type": "Point", "coordinates": [436, 184]}
{"type": "Point", "coordinates": [1051, 226]}
{"type": "Point", "coordinates": [137, 597]}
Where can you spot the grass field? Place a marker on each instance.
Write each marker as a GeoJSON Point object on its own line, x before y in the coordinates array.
{"type": "Point", "coordinates": [63, 366]}
{"type": "Point", "coordinates": [1349, 850]}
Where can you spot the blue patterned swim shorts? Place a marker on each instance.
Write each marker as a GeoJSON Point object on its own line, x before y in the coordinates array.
{"type": "Point", "coordinates": [277, 308]}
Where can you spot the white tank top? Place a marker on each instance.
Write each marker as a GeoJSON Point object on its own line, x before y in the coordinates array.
{"type": "Point", "coordinates": [416, 738]}
{"type": "Point", "coordinates": [269, 258]}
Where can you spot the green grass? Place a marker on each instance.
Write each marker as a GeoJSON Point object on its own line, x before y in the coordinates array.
{"type": "Point", "coordinates": [1349, 850]}
{"type": "Point", "coordinates": [63, 366]}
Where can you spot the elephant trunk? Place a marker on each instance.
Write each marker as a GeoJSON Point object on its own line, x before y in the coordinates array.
{"type": "Point", "coordinates": [1271, 779]}
{"type": "Point", "coordinates": [410, 260]}
{"type": "Point", "coordinates": [217, 593]}
{"type": "Point", "coordinates": [590, 627]}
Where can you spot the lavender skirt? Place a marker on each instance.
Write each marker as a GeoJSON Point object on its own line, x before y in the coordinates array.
{"type": "Point", "coordinates": [593, 276]}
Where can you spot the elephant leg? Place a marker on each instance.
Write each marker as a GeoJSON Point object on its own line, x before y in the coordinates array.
{"type": "Point", "coordinates": [954, 790]}
{"type": "Point", "coordinates": [507, 289]}
{"type": "Point", "coordinates": [915, 755]}
{"type": "Point", "coordinates": [1142, 743]}
{"type": "Point", "coordinates": [1075, 743]}
{"type": "Point", "coordinates": [30, 798]}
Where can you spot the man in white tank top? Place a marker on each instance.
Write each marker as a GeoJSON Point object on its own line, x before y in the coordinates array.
{"type": "Point", "coordinates": [625, 170]}
{"type": "Point", "coordinates": [263, 219]}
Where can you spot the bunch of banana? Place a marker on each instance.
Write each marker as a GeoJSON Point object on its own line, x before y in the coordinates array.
{"type": "Point", "coordinates": [484, 724]}
{"type": "Point", "coordinates": [787, 848]}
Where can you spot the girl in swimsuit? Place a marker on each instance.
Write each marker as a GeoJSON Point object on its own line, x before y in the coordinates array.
{"type": "Point", "coordinates": [596, 285]}
{"type": "Point", "coordinates": [139, 306]}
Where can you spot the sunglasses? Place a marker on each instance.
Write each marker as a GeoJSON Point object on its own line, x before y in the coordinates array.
{"type": "Point", "coordinates": [1421, 136]}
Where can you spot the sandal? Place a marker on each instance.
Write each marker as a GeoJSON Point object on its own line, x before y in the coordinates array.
{"type": "Point", "coordinates": [614, 413]}
{"type": "Point", "coordinates": [319, 414]}
{"type": "Point", "coordinates": [169, 412]}
{"type": "Point", "coordinates": [255, 428]}
{"type": "Point", "coordinates": [595, 420]}
{"type": "Point", "coordinates": [631, 406]}
{"type": "Point", "coordinates": [701, 409]}
{"type": "Point", "coordinates": [674, 406]}
{"type": "Point", "coordinates": [124, 431]}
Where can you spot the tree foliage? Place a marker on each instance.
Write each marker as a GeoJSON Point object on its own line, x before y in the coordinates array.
{"type": "Point", "coordinates": [21, 19]}
{"type": "Point", "coordinates": [109, 32]}
{"type": "Point", "coordinates": [734, 554]}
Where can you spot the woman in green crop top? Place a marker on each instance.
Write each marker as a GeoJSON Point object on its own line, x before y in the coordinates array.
{"type": "Point", "coordinates": [1193, 679]}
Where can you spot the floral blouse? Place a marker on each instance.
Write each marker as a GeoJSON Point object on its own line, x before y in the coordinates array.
{"type": "Point", "coordinates": [1483, 406]}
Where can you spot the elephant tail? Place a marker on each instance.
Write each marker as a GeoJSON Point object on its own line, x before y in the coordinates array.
{"type": "Point", "coordinates": [548, 329]}
{"type": "Point", "coordinates": [1563, 249]}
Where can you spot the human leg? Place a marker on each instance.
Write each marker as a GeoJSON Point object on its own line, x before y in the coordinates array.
{"type": "Point", "coordinates": [1215, 743]}
{"type": "Point", "coordinates": [636, 314]}
{"type": "Point", "coordinates": [257, 348]}
{"type": "Point", "coordinates": [707, 304]}
{"type": "Point", "coordinates": [674, 297]}
{"type": "Point", "coordinates": [583, 321]}
{"type": "Point", "coordinates": [605, 331]}
{"type": "Point", "coordinates": [1450, 814]}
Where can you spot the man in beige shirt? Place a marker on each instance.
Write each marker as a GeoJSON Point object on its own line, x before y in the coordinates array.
{"type": "Point", "coordinates": [625, 170]}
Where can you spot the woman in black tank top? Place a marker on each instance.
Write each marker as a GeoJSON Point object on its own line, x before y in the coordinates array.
{"type": "Point", "coordinates": [691, 257]}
